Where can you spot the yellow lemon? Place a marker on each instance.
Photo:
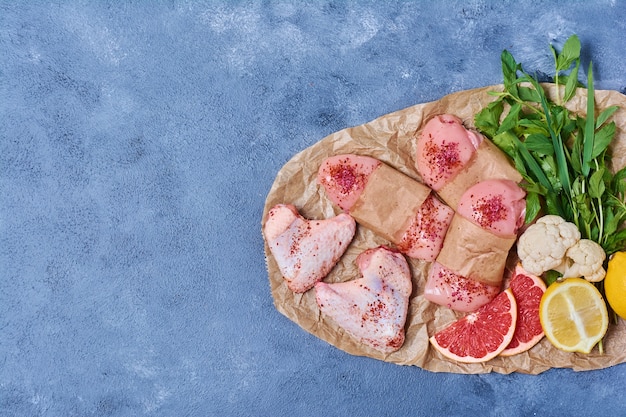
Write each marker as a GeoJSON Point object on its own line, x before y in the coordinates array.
{"type": "Point", "coordinates": [615, 284]}
{"type": "Point", "coordinates": [573, 315]}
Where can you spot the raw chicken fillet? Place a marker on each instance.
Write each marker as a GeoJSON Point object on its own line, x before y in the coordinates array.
{"type": "Point", "coordinates": [444, 147]}
{"type": "Point", "coordinates": [346, 178]}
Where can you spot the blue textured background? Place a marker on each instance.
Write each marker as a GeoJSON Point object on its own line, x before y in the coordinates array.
{"type": "Point", "coordinates": [138, 141]}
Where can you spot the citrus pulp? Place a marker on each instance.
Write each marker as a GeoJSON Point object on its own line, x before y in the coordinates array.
{"type": "Point", "coordinates": [573, 315]}
{"type": "Point", "coordinates": [481, 335]}
{"type": "Point", "coordinates": [527, 290]}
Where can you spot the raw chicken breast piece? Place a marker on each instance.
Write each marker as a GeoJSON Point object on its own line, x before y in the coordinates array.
{"type": "Point", "coordinates": [344, 177]}
{"type": "Point", "coordinates": [447, 288]}
{"type": "Point", "coordinates": [444, 147]}
{"type": "Point", "coordinates": [425, 235]}
{"type": "Point", "coordinates": [373, 308]}
{"type": "Point", "coordinates": [306, 250]}
{"type": "Point", "coordinates": [388, 202]}
{"type": "Point", "coordinates": [495, 205]}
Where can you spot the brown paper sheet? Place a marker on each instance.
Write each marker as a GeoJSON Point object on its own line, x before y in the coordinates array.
{"type": "Point", "coordinates": [474, 252]}
{"type": "Point", "coordinates": [389, 202]}
{"type": "Point", "coordinates": [487, 163]}
{"type": "Point", "coordinates": [390, 139]}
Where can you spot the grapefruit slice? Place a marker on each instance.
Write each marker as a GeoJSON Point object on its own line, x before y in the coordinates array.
{"type": "Point", "coordinates": [481, 335]}
{"type": "Point", "coordinates": [527, 290]}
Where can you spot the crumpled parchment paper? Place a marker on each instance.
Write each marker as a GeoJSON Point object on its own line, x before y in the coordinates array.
{"type": "Point", "coordinates": [390, 138]}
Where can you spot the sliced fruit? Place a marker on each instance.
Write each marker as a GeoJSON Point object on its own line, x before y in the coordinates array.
{"type": "Point", "coordinates": [481, 335]}
{"type": "Point", "coordinates": [527, 290]}
{"type": "Point", "coordinates": [573, 315]}
{"type": "Point", "coordinates": [615, 284]}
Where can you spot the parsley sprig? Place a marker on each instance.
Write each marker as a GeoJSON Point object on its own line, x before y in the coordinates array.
{"type": "Point", "coordinates": [563, 157]}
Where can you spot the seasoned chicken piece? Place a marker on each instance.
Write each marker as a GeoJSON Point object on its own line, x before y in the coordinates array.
{"type": "Point", "coordinates": [495, 205]}
{"type": "Point", "coordinates": [444, 147]}
{"type": "Point", "coordinates": [373, 308]}
{"type": "Point", "coordinates": [424, 236]}
{"type": "Point", "coordinates": [388, 202]}
{"type": "Point", "coordinates": [306, 250]}
{"type": "Point", "coordinates": [447, 288]}
{"type": "Point", "coordinates": [344, 178]}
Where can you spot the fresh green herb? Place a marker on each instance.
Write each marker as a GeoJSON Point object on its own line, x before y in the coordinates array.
{"type": "Point", "coordinates": [563, 157]}
{"type": "Point", "coordinates": [551, 276]}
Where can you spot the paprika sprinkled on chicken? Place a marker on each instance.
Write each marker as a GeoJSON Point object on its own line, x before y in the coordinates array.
{"type": "Point", "coordinates": [388, 202]}
{"type": "Point", "coordinates": [306, 250]}
{"type": "Point", "coordinates": [373, 308]}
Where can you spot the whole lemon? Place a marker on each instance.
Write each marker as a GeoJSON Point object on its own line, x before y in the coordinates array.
{"type": "Point", "coordinates": [615, 284]}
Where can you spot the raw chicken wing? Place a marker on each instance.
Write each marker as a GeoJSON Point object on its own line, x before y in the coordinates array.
{"type": "Point", "coordinates": [373, 308]}
{"type": "Point", "coordinates": [306, 250]}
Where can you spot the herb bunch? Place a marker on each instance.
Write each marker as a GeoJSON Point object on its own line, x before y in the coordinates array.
{"type": "Point", "coordinates": [563, 157]}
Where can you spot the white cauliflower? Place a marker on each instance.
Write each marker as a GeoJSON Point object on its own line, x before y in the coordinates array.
{"type": "Point", "coordinates": [584, 259]}
{"type": "Point", "coordinates": [553, 243]}
{"type": "Point", "coordinates": [543, 245]}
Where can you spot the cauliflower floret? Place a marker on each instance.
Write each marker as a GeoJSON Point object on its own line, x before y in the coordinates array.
{"type": "Point", "coordinates": [543, 245]}
{"type": "Point", "coordinates": [584, 259]}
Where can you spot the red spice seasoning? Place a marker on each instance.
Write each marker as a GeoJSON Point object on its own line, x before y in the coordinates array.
{"type": "Point", "coordinates": [426, 228]}
{"type": "Point", "coordinates": [489, 210]}
{"type": "Point", "coordinates": [463, 289]}
{"type": "Point", "coordinates": [443, 159]}
{"type": "Point", "coordinates": [346, 176]}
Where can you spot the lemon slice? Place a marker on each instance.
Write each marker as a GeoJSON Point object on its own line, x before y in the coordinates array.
{"type": "Point", "coordinates": [573, 315]}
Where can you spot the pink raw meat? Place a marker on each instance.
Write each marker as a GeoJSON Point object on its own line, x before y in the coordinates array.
{"type": "Point", "coordinates": [424, 237]}
{"type": "Point", "coordinates": [373, 308]}
{"type": "Point", "coordinates": [447, 288]}
{"type": "Point", "coordinates": [306, 250]}
{"type": "Point", "coordinates": [344, 177]}
{"type": "Point", "coordinates": [495, 205]}
{"type": "Point", "coordinates": [443, 148]}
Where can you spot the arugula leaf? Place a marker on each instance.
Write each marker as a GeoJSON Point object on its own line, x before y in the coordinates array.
{"type": "Point", "coordinates": [533, 126]}
{"type": "Point", "coordinates": [528, 94]}
{"type": "Point", "coordinates": [510, 121]}
{"type": "Point", "coordinates": [509, 72]}
{"type": "Point", "coordinates": [507, 142]}
{"type": "Point", "coordinates": [571, 84]}
{"type": "Point", "coordinates": [618, 182]}
{"type": "Point", "coordinates": [596, 184]}
{"type": "Point", "coordinates": [539, 143]}
{"type": "Point", "coordinates": [488, 119]}
{"type": "Point", "coordinates": [533, 206]}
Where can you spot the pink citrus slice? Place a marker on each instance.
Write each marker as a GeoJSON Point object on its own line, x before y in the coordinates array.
{"type": "Point", "coordinates": [481, 335]}
{"type": "Point", "coordinates": [527, 290]}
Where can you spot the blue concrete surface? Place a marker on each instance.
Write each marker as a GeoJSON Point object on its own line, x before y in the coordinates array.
{"type": "Point", "coordinates": [138, 142]}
